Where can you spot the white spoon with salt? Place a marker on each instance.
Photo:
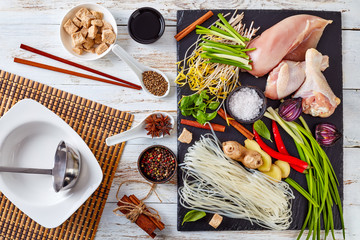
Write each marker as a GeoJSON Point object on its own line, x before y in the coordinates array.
{"type": "Point", "coordinates": [138, 131]}
{"type": "Point", "coordinates": [139, 69]}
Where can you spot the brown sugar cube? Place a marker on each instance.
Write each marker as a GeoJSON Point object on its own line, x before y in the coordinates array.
{"type": "Point", "coordinates": [86, 21]}
{"type": "Point", "coordinates": [70, 27]}
{"type": "Point", "coordinates": [185, 136]}
{"type": "Point", "coordinates": [215, 220]}
{"type": "Point", "coordinates": [91, 50]}
{"type": "Point", "coordinates": [89, 43]}
{"type": "Point", "coordinates": [108, 36]}
{"type": "Point", "coordinates": [98, 15]}
{"type": "Point", "coordinates": [77, 39]}
{"type": "Point", "coordinates": [92, 32]}
{"type": "Point", "coordinates": [82, 13]}
{"type": "Point", "coordinates": [84, 32]}
{"type": "Point", "coordinates": [77, 22]}
{"type": "Point", "coordinates": [101, 48]}
{"type": "Point", "coordinates": [97, 23]}
{"type": "Point", "coordinates": [98, 39]}
{"type": "Point", "coordinates": [106, 25]}
{"type": "Point", "coordinates": [78, 50]}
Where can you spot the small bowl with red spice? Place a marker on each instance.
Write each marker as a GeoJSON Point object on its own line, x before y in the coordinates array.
{"type": "Point", "coordinates": [157, 164]}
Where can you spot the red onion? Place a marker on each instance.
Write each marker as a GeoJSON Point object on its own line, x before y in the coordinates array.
{"type": "Point", "coordinates": [326, 134]}
{"type": "Point", "coordinates": [290, 109]}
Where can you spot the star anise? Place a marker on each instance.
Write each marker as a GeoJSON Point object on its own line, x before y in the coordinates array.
{"type": "Point", "coordinates": [158, 125]}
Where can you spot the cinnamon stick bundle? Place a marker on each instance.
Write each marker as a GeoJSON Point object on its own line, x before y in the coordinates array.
{"type": "Point", "coordinates": [146, 223]}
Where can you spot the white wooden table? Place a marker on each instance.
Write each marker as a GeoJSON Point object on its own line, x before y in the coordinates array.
{"type": "Point", "coordinates": [36, 23]}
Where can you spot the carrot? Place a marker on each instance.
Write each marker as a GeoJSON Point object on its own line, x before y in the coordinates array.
{"type": "Point", "coordinates": [192, 26]}
{"type": "Point", "coordinates": [236, 125]}
{"type": "Point", "coordinates": [215, 127]}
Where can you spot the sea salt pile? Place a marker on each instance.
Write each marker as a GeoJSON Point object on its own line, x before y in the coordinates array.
{"type": "Point", "coordinates": [245, 104]}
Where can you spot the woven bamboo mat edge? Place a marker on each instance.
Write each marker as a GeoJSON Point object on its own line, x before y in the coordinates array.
{"type": "Point", "coordinates": [71, 108]}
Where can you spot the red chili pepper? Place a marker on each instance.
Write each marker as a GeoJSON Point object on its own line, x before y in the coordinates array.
{"type": "Point", "coordinates": [280, 156]}
{"type": "Point", "coordinates": [281, 146]}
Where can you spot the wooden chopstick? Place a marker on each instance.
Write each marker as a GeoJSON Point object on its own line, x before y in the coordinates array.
{"type": "Point", "coordinates": [48, 55]}
{"type": "Point", "coordinates": [61, 70]}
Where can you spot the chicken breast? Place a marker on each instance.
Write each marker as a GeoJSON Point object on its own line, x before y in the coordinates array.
{"type": "Point", "coordinates": [287, 77]}
{"type": "Point", "coordinates": [289, 39]}
{"type": "Point", "coordinates": [318, 98]}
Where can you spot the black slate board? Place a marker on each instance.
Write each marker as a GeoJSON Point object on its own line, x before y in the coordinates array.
{"type": "Point", "coordinates": [330, 44]}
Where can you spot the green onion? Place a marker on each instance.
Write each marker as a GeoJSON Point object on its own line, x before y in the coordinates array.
{"type": "Point", "coordinates": [321, 179]}
{"type": "Point", "coordinates": [224, 53]}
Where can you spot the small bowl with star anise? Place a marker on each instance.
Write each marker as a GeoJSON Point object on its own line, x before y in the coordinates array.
{"type": "Point", "coordinates": [155, 125]}
{"type": "Point", "coordinates": [157, 164]}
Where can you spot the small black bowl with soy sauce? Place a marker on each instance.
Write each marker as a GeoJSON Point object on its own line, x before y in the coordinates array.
{"type": "Point", "coordinates": [146, 25]}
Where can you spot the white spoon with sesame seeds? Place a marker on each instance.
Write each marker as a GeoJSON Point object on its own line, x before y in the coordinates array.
{"type": "Point", "coordinates": [139, 69]}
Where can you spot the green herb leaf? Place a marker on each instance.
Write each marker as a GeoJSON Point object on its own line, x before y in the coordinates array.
{"type": "Point", "coordinates": [186, 112]}
{"type": "Point", "coordinates": [202, 106]}
{"type": "Point", "coordinates": [198, 101]}
{"type": "Point", "coordinates": [211, 116]}
{"type": "Point", "coordinates": [193, 215]}
{"type": "Point", "coordinates": [201, 117]}
{"type": "Point", "coordinates": [214, 105]}
{"type": "Point", "coordinates": [204, 95]}
{"type": "Point", "coordinates": [262, 130]}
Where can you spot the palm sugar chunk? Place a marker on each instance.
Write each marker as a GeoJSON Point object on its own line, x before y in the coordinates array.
{"type": "Point", "coordinates": [83, 12]}
{"type": "Point", "coordinates": [84, 32]}
{"type": "Point", "coordinates": [101, 48]}
{"type": "Point", "coordinates": [108, 36]}
{"type": "Point", "coordinates": [98, 39]}
{"type": "Point", "coordinates": [98, 15]}
{"type": "Point", "coordinates": [215, 220]}
{"type": "Point", "coordinates": [77, 39]}
{"type": "Point", "coordinates": [78, 50]}
{"type": "Point", "coordinates": [89, 43]}
{"type": "Point", "coordinates": [106, 25]}
{"type": "Point", "coordinates": [97, 22]}
{"type": "Point", "coordinates": [90, 50]}
{"type": "Point", "coordinates": [185, 136]}
{"type": "Point", "coordinates": [92, 32]}
{"type": "Point", "coordinates": [77, 22]}
{"type": "Point", "coordinates": [86, 21]}
{"type": "Point", "coordinates": [70, 27]}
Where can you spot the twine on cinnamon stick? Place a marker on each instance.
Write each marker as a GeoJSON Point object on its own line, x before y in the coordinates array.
{"type": "Point", "coordinates": [134, 211]}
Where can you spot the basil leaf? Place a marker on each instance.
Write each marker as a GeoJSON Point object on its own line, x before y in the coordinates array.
{"type": "Point", "coordinates": [201, 117]}
{"type": "Point", "coordinates": [198, 101]}
{"type": "Point", "coordinates": [193, 215]}
{"type": "Point", "coordinates": [186, 112]}
{"type": "Point", "coordinates": [204, 95]}
{"type": "Point", "coordinates": [202, 106]}
{"type": "Point", "coordinates": [185, 102]}
{"type": "Point", "coordinates": [262, 130]}
{"type": "Point", "coordinates": [211, 116]}
{"type": "Point", "coordinates": [214, 105]}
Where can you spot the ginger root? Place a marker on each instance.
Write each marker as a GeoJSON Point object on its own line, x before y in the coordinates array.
{"type": "Point", "coordinates": [250, 158]}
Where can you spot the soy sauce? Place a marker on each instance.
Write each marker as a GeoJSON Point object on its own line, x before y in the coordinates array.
{"type": "Point", "coordinates": [146, 25]}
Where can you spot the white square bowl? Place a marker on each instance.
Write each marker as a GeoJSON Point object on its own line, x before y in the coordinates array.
{"type": "Point", "coordinates": [28, 138]}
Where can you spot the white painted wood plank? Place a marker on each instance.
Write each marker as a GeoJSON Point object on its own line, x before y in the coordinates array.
{"type": "Point", "coordinates": [51, 12]}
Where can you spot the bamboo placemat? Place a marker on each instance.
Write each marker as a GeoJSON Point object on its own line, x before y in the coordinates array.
{"type": "Point", "coordinates": [93, 122]}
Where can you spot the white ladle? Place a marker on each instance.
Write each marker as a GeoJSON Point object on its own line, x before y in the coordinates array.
{"type": "Point", "coordinates": [138, 131]}
{"type": "Point", "coordinates": [139, 68]}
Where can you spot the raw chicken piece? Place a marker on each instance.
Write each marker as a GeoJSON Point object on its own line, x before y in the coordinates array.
{"type": "Point", "coordinates": [289, 39]}
{"type": "Point", "coordinates": [287, 77]}
{"type": "Point", "coordinates": [318, 98]}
